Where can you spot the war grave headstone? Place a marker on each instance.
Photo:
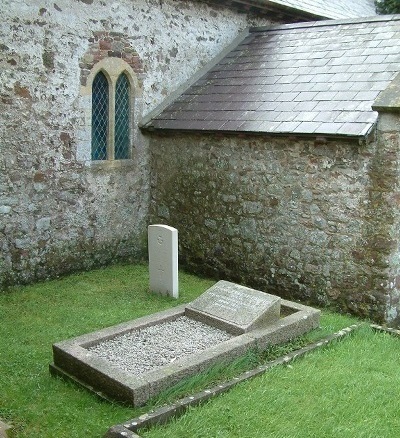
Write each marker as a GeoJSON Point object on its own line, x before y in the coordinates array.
{"type": "Point", "coordinates": [234, 319]}
{"type": "Point", "coordinates": [163, 259]}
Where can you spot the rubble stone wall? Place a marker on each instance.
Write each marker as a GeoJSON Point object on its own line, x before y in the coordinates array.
{"type": "Point", "coordinates": [58, 210]}
{"type": "Point", "coordinates": [384, 227]}
{"type": "Point", "coordinates": [307, 219]}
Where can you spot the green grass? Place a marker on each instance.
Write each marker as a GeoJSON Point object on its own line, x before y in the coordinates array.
{"type": "Point", "coordinates": [34, 317]}
{"type": "Point", "coordinates": [346, 390]}
{"type": "Point", "coordinates": [330, 323]}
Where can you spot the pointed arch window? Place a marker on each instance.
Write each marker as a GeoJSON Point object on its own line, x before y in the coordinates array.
{"type": "Point", "coordinates": [100, 117]}
{"type": "Point", "coordinates": [122, 111]}
{"type": "Point", "coordinates": [111, 117]}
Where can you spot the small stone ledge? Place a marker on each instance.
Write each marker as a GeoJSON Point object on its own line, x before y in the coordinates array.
{"type": "Point", "coordinates": [120, 431]}
{"type": "Point", "coordinates": [390, 330]}
{"type": "Point", "coordinates": [166, 413]}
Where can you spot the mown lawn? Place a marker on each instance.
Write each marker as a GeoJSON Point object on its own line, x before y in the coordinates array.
{"type": "Point", "coordinates": [34, 317]}
{"type": "Point", "coordinates": [349, 389]}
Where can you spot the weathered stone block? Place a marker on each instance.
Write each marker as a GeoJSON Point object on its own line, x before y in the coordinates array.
{"type": "Point", "coordinates": [5, 209]}
{"type": "Point", "coordinates": [235, 308]}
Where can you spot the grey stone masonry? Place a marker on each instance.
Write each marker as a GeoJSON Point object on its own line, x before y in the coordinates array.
{"type": "Point", "coordinates": [300, 218]}
{"type": "Point", "coordinates": [60, 211]}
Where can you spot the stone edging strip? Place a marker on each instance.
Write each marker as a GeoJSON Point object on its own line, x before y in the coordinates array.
{"type": "Point", "coordinates": [162, 415]}
{"type": "Point", "coordinates": [4, 427]}
{"type": "Point", "coordinates": [380, 328]}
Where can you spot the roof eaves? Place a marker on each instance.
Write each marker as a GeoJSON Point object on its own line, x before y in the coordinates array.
{"type": "Point", "coordinates": [288, 10]}
{"type": "Point", "coordinates": [299, 10]}
{"type": "Point", "coordinates": [359, 136]}
{"type": "Point", "coordinates": [332, 9]}
{"type": "Point", "coordinates": [278, 9]}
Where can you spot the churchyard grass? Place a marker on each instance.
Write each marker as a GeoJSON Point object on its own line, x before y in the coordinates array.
{"type": "Point", "coordinates": [330, 323]}
{"type": "Point", "coordinates": [348, 389]}
{"type": "Point", "coordinates": [36, 316]}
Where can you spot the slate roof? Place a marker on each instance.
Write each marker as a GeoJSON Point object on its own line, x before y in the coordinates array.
{"type": "Point", "coordinates": [336, 9]}
{"type": "Point", "coordinates": [305, 10]}
{"type": "Point", "coordinates": [318, 78]}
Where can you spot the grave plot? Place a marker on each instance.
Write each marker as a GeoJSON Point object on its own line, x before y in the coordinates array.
{"type": "Point", "coordinates": [136, 360]}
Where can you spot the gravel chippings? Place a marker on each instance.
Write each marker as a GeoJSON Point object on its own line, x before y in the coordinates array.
{"type": "Point", "coordinates": [158, 345]}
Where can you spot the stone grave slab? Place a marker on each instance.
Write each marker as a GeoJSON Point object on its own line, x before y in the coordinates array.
{"type": "Point", "coordinates": [75, 359]}
{"type": "Point", "coordinates": [235, 308]}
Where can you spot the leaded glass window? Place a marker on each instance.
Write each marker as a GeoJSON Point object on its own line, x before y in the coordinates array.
{"type": "Point", "coordinates": [100, 117]}
{"type": "Point", "coordinates": [111, 114]}
{"type": "Point", "coordinates": [122, 111]}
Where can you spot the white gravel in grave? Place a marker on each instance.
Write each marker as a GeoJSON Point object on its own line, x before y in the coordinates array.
{"type": "Point", "coordinates": [158, 345]}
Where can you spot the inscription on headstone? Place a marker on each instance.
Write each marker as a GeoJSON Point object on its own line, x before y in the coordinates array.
{"type": "Point", "coordinates": [163, 259]}
{"type": "Point", "coordinates": [235, 307]}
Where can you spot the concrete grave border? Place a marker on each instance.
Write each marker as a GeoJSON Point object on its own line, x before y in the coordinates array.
{"type": "Point", "coordinates": [72, 360]}
{"type": "Point", "coordinates": [164, 414]}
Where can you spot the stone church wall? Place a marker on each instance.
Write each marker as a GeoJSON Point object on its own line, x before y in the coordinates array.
{"type": "Point", "coordinates": [308, 219]}
{"type": "Point", "coordinates": [384, 224]}
{"type": "Point", "coordinates": [59, 211]}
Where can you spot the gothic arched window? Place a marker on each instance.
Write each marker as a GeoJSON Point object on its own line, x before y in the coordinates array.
{"type": "Point", "coordinates": [111, 117]}
{"type": "Point", "coordinates": [122, 122]}
{"type": "Point", "coordinates": [100, 117]}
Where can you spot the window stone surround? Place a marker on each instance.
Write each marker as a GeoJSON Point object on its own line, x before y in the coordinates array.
{"type": "Point", "coordinates": [112, 63]}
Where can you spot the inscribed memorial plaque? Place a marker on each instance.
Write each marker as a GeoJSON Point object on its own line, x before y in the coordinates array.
{"type": "Point", "coordinates": [237, 308]}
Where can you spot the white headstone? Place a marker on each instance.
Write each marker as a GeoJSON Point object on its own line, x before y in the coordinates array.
{"type": "Point", "coordinates": [163, 259]}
